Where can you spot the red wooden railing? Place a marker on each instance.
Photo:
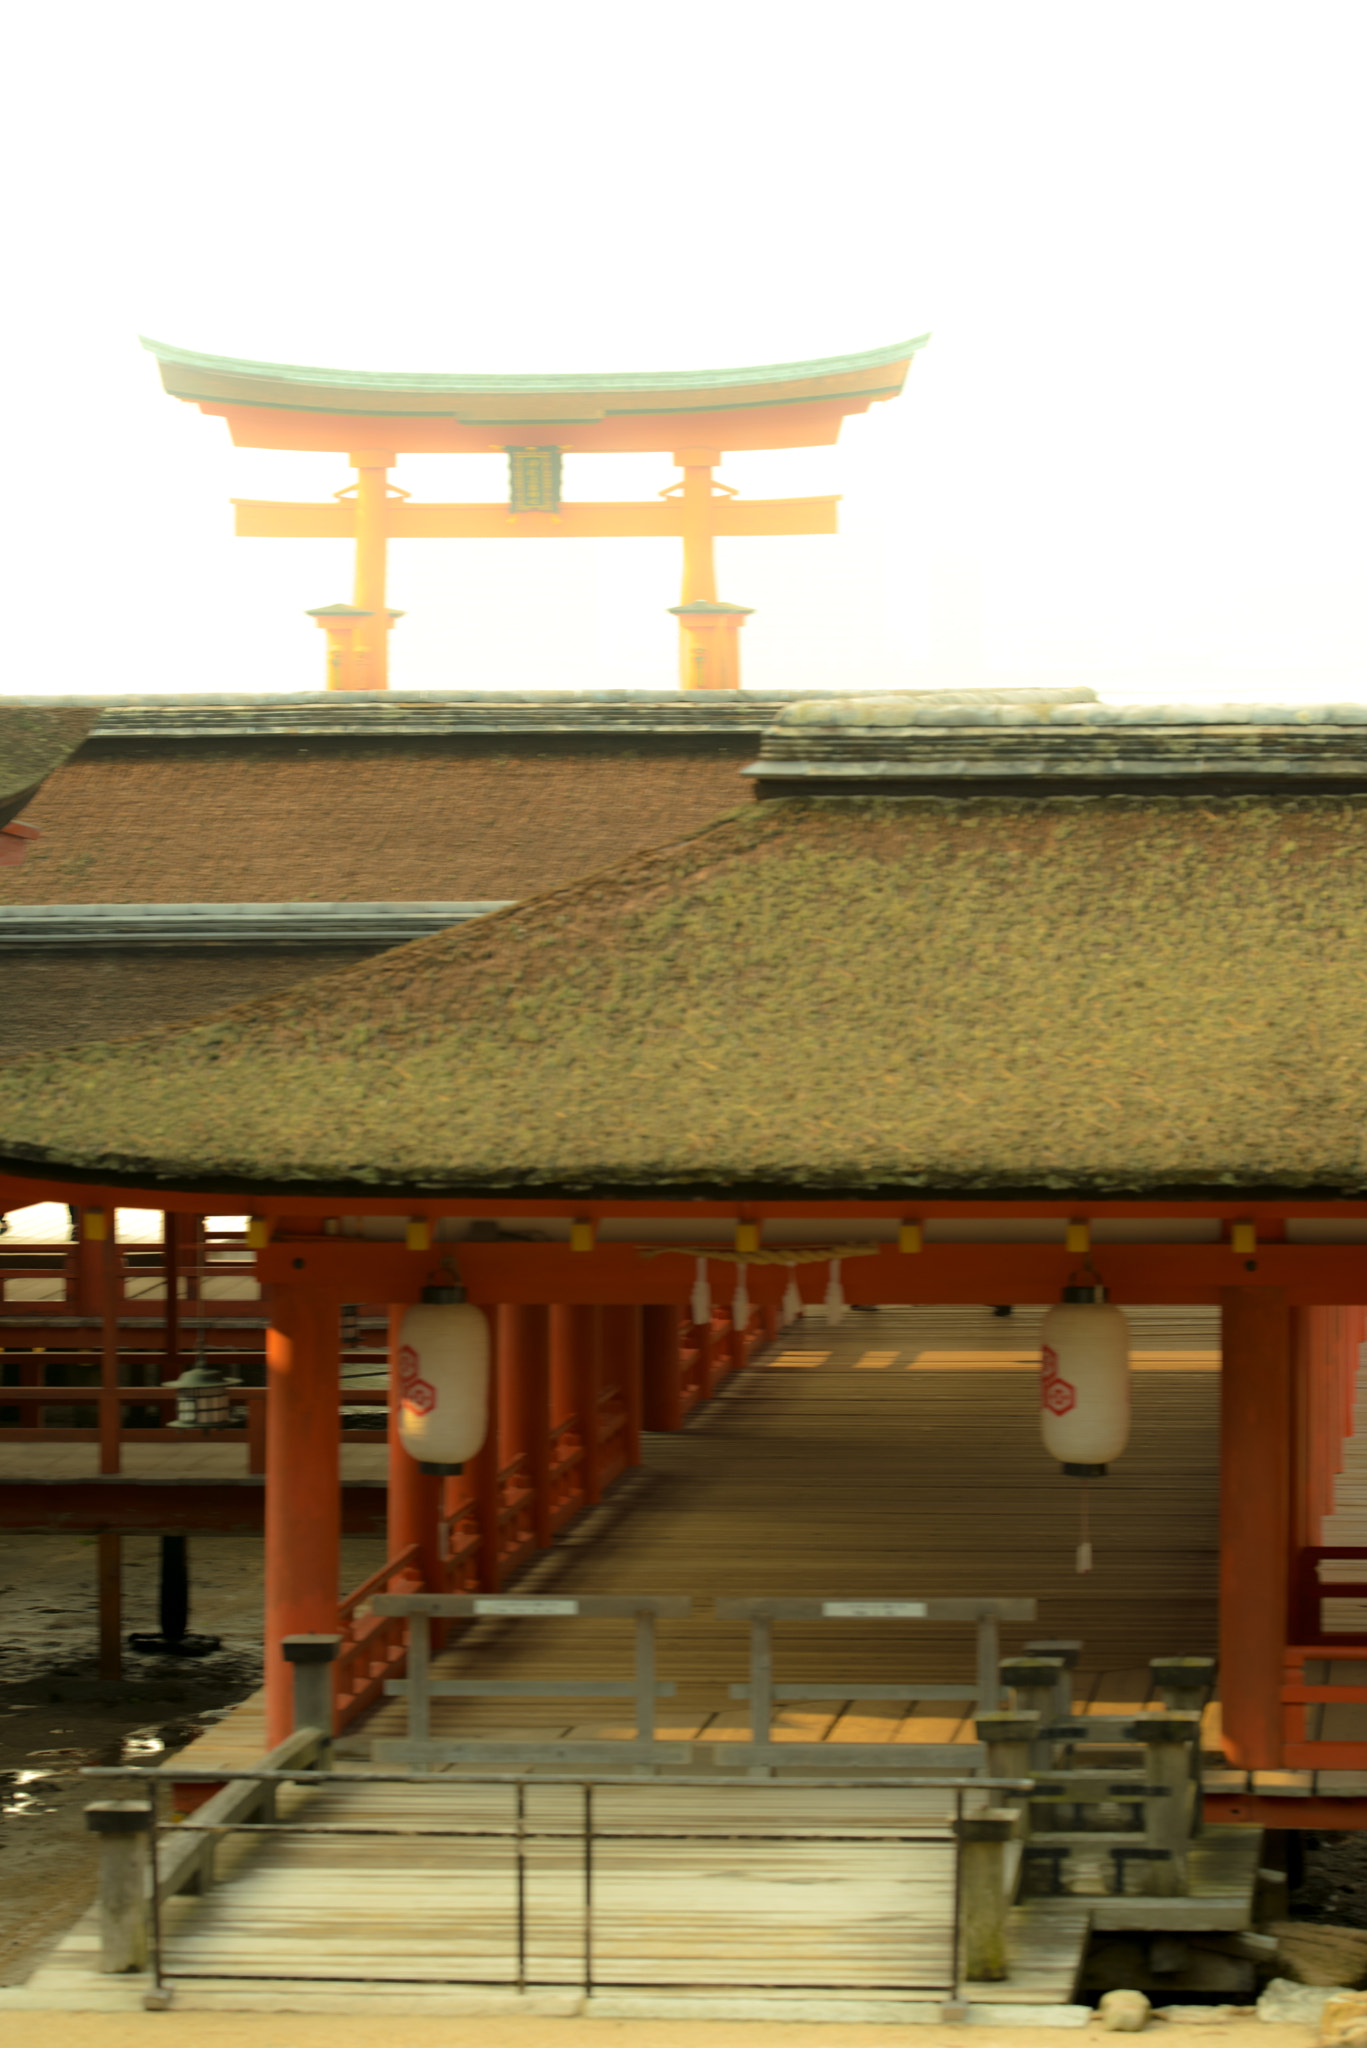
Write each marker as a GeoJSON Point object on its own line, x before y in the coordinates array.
{"type": "Point", "coordinates": [1301, 1750]}
{"type": "Point", "coordinates": [372, 1644]}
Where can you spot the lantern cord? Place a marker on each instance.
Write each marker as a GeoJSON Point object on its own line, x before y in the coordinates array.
{"type": "Point", "coordinates": [1084, 1549]}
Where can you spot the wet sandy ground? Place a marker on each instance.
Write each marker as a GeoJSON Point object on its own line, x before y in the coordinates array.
{"type": "Point", "coordinates": [55, 1714]}
{"type": "Point", "coordinates": [294, 2030]}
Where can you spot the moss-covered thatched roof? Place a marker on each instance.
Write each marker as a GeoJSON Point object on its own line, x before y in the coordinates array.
{"type": "Point", "coordinates": [35, 739]}
{"type": "Point", "coordinates": [997, 996]}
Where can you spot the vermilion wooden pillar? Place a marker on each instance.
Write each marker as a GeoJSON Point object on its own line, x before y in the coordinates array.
{"type": "Point", "coordinates": [1256, 1437]}
{"type": "Point", "coordinates": [661, 1368]}
{"type": "Point", "coordinates": [303, 1483]}
{"type": "Point", "coordinates": [525, 1369]}
{"type": "Point", "coordinates": [414, 1505]}
{"type": "Point", "coordinates": [621, 1352]}
{"type": "Point", "coordinates": [587, 1368]}
{"type": "Point", "coordinates": [484, 1471]}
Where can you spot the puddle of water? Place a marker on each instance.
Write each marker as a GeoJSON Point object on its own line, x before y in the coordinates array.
{"type": "Point", "coordinates": [16, 1797]}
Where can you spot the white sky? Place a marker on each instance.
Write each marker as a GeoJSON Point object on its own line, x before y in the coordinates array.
{"type": "Point", "coordinates": [1132, 455]}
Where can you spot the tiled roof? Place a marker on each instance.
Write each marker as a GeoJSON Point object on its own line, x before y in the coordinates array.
{"type": "Point", "coordinates": [980, 996]}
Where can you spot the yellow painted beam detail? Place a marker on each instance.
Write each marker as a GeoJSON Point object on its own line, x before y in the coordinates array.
{"type": "Point", "coordinates": [279, 519]}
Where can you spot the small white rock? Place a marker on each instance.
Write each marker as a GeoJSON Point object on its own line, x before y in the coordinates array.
{"type": "Point", "coordinates": [1301, 2004]}
{"type": "Point", "coordinates": [1124, 2012]}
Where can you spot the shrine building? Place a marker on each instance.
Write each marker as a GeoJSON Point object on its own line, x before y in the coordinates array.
{"type": "Point", "coordinates": [948, 997]}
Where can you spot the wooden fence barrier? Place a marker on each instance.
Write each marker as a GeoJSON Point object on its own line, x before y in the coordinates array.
{"type": "Point", "coordinates": [1163, 1794]}
{"type": "Point", "coordinates": [643, 1749]}
{"type": "Point", "coordinates": [762, 1753]}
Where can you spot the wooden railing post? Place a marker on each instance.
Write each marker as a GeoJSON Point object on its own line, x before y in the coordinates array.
{"type": "Point", "coordinates": [311, 1658]}
{"type": "Point", "coordinates": [123, 1827]}
{"type": "Point", "coordinates": [1035, 1683]}
{"type": "Point", "coordinates": [982, 1840]}
{"type": "Point", "coordinates": [1009, 1739]}
{"type": "Point", "coordinates": [1067, 1654]}
{"type": "Point", "coordinates": [1168, 1741]}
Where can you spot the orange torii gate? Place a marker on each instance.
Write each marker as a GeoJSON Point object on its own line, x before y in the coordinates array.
{"type": "Point", "coordinates": [373, 417]}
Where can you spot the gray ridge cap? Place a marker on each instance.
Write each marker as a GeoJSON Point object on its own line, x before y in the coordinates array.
{"type": "Point", "coordinates": [434, 907]}
{"type": "Point", "coordinates": [421, 713]}
{"type": "Point", "coordinates": [343, 700]}
{"type": "Point", "coordinates": [219, 924]}
{"type": "Point", "coordinates": [1344, 712]}
{"type": "Point", "coordinates": [567, 381]}
{"type": "Point", "coordinates": [931, 706]}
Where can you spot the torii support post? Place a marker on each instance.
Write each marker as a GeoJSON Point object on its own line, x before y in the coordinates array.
{"type": "Point", "coordinates": [1255, 1519]}
{"type": "Point", "coordinates": [303, 1484]}
{"type": "Point", "coordinates": [371, 643]}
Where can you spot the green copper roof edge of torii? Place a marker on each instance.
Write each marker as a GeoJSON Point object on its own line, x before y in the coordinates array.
{"type": "Point", "coordinates": [492, 385]}
{"type": "Point", "coordinates": [682, 412]}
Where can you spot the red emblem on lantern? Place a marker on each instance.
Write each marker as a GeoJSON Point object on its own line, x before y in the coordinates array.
{"type": "Point", "coordinates": [1057, 1394]}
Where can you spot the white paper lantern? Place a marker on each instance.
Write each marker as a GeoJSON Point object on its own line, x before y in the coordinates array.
{"type": "Point", "coordinates": [443, 1381]}
{"type": "Point", "coordinates": [835, 1294]}
{"type": "Point", "coordinates": [1085, 1382]}
{"type": "Point", "coordinates": [792, 1300]}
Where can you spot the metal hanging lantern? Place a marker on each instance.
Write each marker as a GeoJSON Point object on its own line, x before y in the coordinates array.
{"type": "Point", "coordinates": [443, 1380]}
{"type": "Point", "coordinates": [203, 1395]}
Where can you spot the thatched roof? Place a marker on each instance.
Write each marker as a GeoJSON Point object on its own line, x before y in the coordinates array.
{"type": "Point", "coordinates": [981, 996]}
{"type": "Point", "coordinates": [35, 739]}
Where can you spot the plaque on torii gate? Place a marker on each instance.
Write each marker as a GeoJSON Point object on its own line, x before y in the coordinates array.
{"type": "Point", "coordinates": [373, 417]}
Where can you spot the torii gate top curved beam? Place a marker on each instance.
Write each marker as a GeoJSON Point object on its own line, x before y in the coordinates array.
{"type": "Point", "coordinates": [776, 405]}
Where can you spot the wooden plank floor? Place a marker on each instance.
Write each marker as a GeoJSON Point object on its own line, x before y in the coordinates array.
{"type": "Point", "coordinates": [864, 1466]}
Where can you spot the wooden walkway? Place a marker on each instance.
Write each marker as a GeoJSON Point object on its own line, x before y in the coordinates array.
{"type": "Point", "coordinates": [897, 1454]}
{"type": "Point", "coordinates": [819, 1473]}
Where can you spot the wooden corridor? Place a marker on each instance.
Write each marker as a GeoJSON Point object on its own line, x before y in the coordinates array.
{"type": "Point", "coordinates": [821, 1472]}
{"type": "Point", "coordinates": [854, 1461]}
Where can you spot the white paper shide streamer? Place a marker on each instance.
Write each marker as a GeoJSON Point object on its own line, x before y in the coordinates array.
{"type": "Point", "coordinates": [700, 1301]}
{"type": "Point", "coordinates": [740, 1302]}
